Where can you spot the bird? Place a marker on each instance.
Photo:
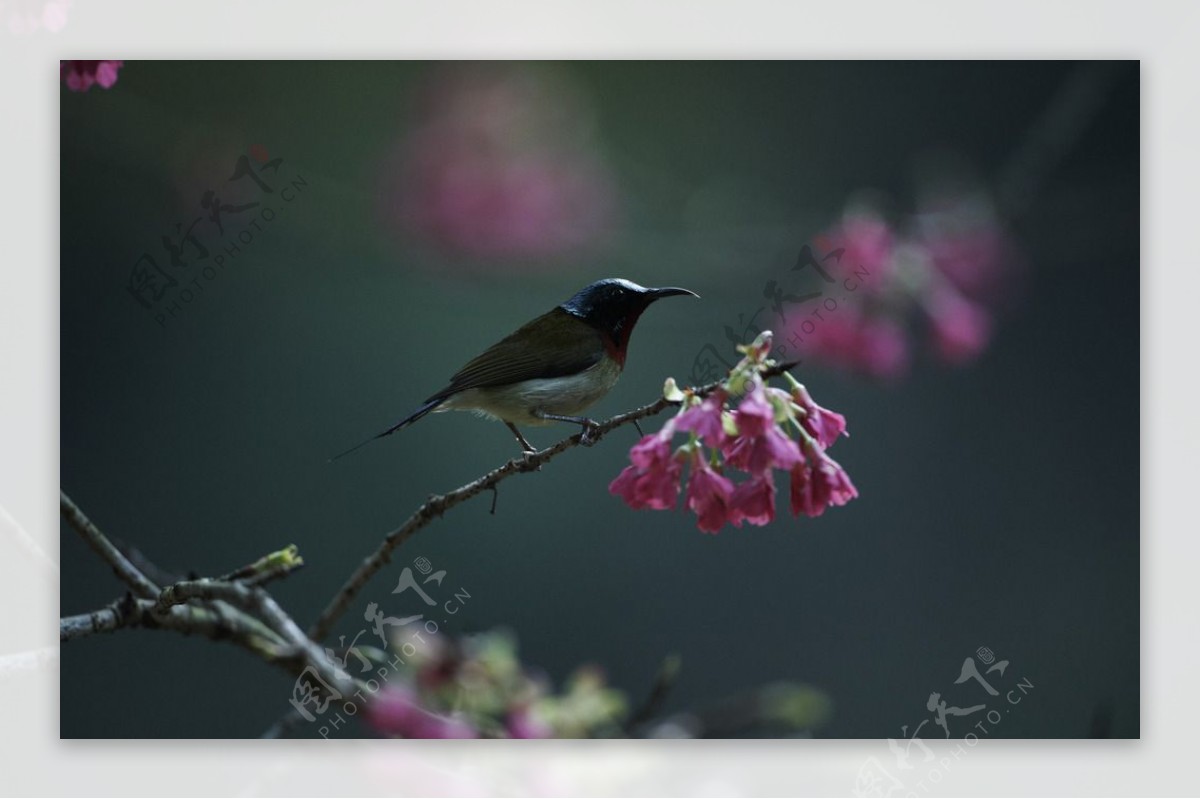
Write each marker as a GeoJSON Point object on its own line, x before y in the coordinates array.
{"type": "Point", "coordinates": [552, 368]}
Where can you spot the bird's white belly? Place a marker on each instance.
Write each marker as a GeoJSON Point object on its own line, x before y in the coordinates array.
{"type": "Point", "coordinates": [522, 403]}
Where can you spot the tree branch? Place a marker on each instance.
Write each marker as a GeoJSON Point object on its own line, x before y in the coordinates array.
{"type": "Point", "coordinates": [237, 610]}
{"type": "Point", "coordinates": [126, 571]}
{"type": "Point", "coordinates": [129, 611]}
{"type": "Point", "coordinates": [437, 505]}
{"type": "Point", "coordinates": [256, 602]}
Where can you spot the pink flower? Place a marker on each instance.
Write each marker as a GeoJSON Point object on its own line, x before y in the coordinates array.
{"type": "Point", "coordinates": [760, 444]}
{"type": "Point", "coordinates": [395, 711]}
{"type": "Point", "coordinates": [832, 339]}
{"type": "Point", "coordinates": [80, 75]}
{"type": "Point", "coordinates": [883, 348]}
{"type": "Point", "coordinates": [801, 492]}
{"type": "Point", "coordinates": [961, 329]}
{"type": "Point", "coordinates": [818, 484]}
{"type": "Point", "coordinates": [705, 420]}
{"type": "Point", "coordinates": [830, 483]}
{"type": "Point", "coordinates": [754, 501]}
{"type": "Point", "coordinates": [875, 345]}
{"type": "Point", "coordinates": [653, 479]}
{"type": "Point", "coordinates": [959, 229]}
{"type": "Point", "coordinates": [754, 415]}
{"type": "Point", "coordinates": [708, 496]}
{"type": "Point", "coordinates": [501, 164]}
{"type": "Point", "coordinates": [822, 424]}
{"type": "Point", "coordinates": [868, 242]}
{"type": "Point", "coordinates": [653, 449]}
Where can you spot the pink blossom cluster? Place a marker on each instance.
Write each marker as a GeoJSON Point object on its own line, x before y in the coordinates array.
{"type": "Point", "coordinates": [80, 75]}
{"type": "Point", "coordinates": [769, 429]}
{"type": "Point", "coordinates": [940, 271]}
{"type": "Point", "coordinates": [502, 164]}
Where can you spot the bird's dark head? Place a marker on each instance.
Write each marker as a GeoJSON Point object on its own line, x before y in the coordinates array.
{"type": "Point", "coordinates": [613, 306]}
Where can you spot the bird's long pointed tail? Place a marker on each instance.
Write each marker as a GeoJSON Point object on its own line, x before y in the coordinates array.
{"type": "Point", "coordinates": [428, 407]}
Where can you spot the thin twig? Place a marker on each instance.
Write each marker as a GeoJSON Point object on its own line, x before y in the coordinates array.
{"type": "Point", "coordinates": [275, 566]}
{"type": "Point", "coordinates": [126, 571]}
{"type": "Point", "coordinates": [437, 505]}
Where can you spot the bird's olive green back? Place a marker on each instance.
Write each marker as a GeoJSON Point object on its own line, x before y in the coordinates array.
{"type": "Point", "coordinates": [552, 345]}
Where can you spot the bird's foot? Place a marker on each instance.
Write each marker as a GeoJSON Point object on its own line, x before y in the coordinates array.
{"type": "Point", "coordinates": [527, 461]}
{"type": "Point", "coordinates": [588, 437]}
{"type": "Point", "coordinates": [527, 449]}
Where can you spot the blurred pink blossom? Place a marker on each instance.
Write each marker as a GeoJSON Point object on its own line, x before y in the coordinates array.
{"type": "Point", "coordinates": [80, 75]}
{"type": "Point", "coordinates": [501, 164]}
{"type": "Point", "coordinates": [960, 233]}
{"type": "Point", "coordinates": [524, 723]}
{"type": "Point", "coordinates": [396, 711]}
{"type": "Point", "coordinates": [950, 261]}
{"type": "Point", "coordinates": [875, 346]}
{"type": "Point", "coordinates": [961, 328]}
{"type": "Point", "coordinates": [867, 239]}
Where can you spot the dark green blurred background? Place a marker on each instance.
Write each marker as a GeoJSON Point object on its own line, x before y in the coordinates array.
{"type": "Point", "coordinates": [999, 501]}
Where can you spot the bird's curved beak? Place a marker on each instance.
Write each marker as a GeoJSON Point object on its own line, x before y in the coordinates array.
{"type": "Point", "coordinates": [658, 294]}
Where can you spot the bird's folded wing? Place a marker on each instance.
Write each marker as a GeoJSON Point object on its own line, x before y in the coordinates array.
{"type": "Point", "coordinates": [553, 345]}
